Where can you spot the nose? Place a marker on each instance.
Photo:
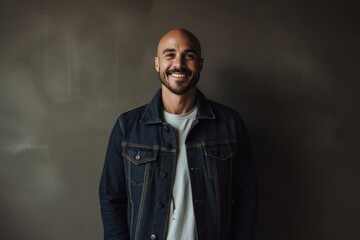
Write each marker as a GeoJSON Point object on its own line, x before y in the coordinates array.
{"type": "Point", "coordinates": [179, 61]}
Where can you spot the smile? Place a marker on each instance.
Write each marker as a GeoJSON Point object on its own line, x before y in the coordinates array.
{"type": "Point", "coordinates": [178, 75]}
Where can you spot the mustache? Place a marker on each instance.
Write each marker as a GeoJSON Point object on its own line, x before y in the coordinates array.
{"type": "Point", "coordinates": [179, 70]}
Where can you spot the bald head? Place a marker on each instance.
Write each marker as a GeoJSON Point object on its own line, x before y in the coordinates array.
{"type": "Point", "coordinates": [179, 35]}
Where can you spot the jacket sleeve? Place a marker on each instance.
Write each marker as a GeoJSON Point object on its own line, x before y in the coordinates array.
{"type": "Point", "coordinates": [112, 189]}
{"type": "Point", "coordinates": [244, 189]}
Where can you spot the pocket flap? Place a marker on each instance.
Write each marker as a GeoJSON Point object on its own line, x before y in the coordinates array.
{"type": "Point", "coordinates": [139, 155]}
{"type": "Point", "coordinates": [221, 151]}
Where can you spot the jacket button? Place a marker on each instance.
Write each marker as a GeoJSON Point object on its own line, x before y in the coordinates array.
{"type": "Point", "coordinates": [166, 128]}
{"type": "Point", "coordinates": [137, 157]}
{"type": "Point", "coordinates": [159, 205]}
{"type": "Point", "coordinates": [153, 237]}
{"type": "Point", "coordinates": [163, 174]}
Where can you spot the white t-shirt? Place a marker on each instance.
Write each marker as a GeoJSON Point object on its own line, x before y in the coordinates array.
{"type": "Point", "coordinates": [181, 222]}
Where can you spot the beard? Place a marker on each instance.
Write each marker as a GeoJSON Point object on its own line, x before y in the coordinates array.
{"type": "Point", "coordinates": [181, 87]}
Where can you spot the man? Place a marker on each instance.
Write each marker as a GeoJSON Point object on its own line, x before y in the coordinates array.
{"type": "Point", "coordinates": [180, 166]}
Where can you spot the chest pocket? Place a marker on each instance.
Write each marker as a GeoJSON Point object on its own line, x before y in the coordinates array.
{"type": "Point", "coordinates": [140, 164]}
{"type": "Point", "coordinates": [219, 160]}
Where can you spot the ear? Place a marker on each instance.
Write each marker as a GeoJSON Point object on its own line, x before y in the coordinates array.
{"type": "Point", "coordinates": [201, 63]}
{"type": "Point", "coordinates": [156, 60]}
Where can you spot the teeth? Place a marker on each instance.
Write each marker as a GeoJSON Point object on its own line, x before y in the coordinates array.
{"type": "Point", "coordinates": [178, 75]}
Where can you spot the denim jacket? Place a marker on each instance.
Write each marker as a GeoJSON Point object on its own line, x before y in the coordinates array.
{"type": "Point", "coordinates": [136, 182]}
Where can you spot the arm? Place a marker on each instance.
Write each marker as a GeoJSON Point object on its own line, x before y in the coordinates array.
{"type": "Point", "coordinates": [112, 190]}
{"type": "Point", "coordinates": [244, 190]}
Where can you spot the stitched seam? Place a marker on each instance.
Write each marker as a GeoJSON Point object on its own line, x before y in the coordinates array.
{"type": "Point", "coordinates": [169, 201]}
{"type": "Point", "coordinates": [216, 182]}
{"type": "Point", "coordinates": [211, 143]}
{"type": "Point", "coordinates": [141, 206]}
{"type": "Point", "coordinates": [130, 197]}
{"type": "Point", "coordinates": [165, 149]}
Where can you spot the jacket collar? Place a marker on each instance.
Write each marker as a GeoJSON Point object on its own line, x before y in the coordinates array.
{"type": "Point", "coordinates": [153, 111]}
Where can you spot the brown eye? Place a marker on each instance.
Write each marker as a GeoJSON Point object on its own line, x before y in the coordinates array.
{"type": "Point", "coordinates": [169, 55]}
{"type": "Point", "coordinates": [190, 56]}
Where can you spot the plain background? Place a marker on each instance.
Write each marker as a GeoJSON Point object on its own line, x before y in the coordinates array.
{"type": "Point", "coordinates": [68, 68]}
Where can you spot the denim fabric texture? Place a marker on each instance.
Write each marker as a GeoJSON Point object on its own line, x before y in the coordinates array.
{"type": "Point", "coordinates": [136, 182]}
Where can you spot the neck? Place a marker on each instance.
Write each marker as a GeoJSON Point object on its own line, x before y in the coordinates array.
{"type": "Point", "coordinates": [178, 104]}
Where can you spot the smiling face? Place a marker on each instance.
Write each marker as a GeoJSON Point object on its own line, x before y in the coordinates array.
{"type": "Point", "coordinates": [179, 61]}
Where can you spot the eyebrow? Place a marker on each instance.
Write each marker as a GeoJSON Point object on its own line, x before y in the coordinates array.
{"type": "Point", "coordinates": [167, 50]}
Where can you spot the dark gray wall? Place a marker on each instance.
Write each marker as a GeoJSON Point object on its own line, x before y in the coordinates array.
{"type": "Point", "coordinates": [68, 68]}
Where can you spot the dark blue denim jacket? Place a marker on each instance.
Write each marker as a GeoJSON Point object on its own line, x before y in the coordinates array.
{"type": "Point", "coordinates": [139, 168]}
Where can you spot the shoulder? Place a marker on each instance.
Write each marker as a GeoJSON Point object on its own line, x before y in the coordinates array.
{"type": "Point", "coordinates": [221, 109]}
{"type": "Point", "coordinates": [227, 115]}
{"type": "Point", "coordinates": [134, 113]}
{"type": "Point", "coordinates": [218, 110]}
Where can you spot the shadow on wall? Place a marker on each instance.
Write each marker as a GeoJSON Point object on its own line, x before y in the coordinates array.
{"type": "Point", "coordinates": [294, 135]}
